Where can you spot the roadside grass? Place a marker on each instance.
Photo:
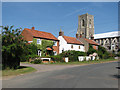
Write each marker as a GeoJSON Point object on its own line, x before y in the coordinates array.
{"type": "Point", "coordinates": [21, 70]}
{"type": "Point", "coordinates": [78, 62]}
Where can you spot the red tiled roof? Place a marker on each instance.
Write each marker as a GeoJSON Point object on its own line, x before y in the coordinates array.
{"type": "Point", "coordinates": [91, 41]}
{"type": "Point", "coordinates": [41, 34]}
{"type": "Point", "coordinates": [72, 40]}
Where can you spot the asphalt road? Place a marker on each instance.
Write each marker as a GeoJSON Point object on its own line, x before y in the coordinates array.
{"type": "Point", "coordinates": [89, 76]}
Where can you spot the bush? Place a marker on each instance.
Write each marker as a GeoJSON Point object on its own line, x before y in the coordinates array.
{"type": "Point", "coordinates": [72, 55]}
{"type": "Point", "coordinates": [36, 61]}
{"type": "Point", "coordinates": [91, 50]}
{"type": "Point", "coordinates": [32, 56]}
{"type": "Point", "coordinates": [57, 58]}
{"type": "Point", "coordinates": [103, 53]}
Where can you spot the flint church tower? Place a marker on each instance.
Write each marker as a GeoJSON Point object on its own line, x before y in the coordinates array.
{"type": "Point", "coordinates": [86, 26]}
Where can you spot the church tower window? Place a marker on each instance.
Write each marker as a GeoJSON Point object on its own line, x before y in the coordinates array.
{"type": "Point", "coordinates": [83, 22]}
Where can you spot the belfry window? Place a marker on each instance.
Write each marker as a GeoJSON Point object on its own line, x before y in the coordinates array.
{"type": "Point", "coordinates": [83, 22]}
{"type": "Point", "coordinates": [90, 23]}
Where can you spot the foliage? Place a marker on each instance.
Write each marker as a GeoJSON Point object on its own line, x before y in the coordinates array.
{"type": "Point", "coordinates": [118, 54]}
{"type": "Point", "coordinates": [36, 61]}
{"type": "Point", "coordinates": [91, 50]}
{"type": "Point", "coordinates": [57, 58]}
{"type": "Point", "coordinates": [103, 53]}
{"type": "Point", "coordinates": [72, 54]}
{"type": "Point", "coordinates": [32, 49]}
{"type": "Point", "coordinates": [13, 47]}
{"type": "Point", "coordinates": [43, 46]}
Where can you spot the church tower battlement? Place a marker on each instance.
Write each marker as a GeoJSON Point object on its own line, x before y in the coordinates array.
{"type": "Point", "coordinates": [86, 26]}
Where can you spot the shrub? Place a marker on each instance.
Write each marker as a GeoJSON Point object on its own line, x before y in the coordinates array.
{"type": "Point", "coordinates": [32, 56]}
{"type": "Point", "coordinates": [36, 61]}
{"type": "Point", "coordinates": [72, 55]}
{"type": "Point", "coordinates": [91, 50]}
{"type": "Point", "coordinates": [103, 53]}
{"type": "Point", "coordinates": [57, 58]}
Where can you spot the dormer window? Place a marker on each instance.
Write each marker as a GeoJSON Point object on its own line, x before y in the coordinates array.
{"type": "Point", "coordinates": [38, 41]}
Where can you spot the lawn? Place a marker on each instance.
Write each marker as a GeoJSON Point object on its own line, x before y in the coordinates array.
{"type": "Point", "coordinates": [18, 71]}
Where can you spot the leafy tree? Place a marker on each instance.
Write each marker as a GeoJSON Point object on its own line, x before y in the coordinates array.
{"type": "Point", "coordinates": [103, 53]}
{"type": "Point", "coordinates": [13, 47]}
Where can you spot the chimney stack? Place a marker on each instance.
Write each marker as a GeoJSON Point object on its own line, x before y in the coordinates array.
{"type": "Point", "coordinates": [61, 33]}
{"type": "Point", "coordinates": [80, 35]}
{"type": "Point", "coordinates": [33, 28]}
{"type": "Point", "coordinates": [77, 35]}
{"type": "Point", "coordinates": [92, 37]}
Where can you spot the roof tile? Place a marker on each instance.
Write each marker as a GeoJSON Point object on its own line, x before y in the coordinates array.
{"type": "Point", "coordinates": [72, 40]}
{"type": "Point", "coordinates": [41, 34]}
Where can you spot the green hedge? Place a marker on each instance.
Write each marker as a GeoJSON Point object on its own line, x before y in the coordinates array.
{"type": "Point", "coordinates": [36, 61]}
{"type": "Point", "coordinates": [73, 55]}
{"type": "Point", "coordinates": [57, 58]}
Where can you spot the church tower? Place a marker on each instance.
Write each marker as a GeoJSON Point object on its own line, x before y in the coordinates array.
{"type": "Point", "coordinates": [86, 26]}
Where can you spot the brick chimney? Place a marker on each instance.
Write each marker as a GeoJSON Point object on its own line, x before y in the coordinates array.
{"type": "Point", "coordinates": [77, 35]}
{"type": "Point", "coordinates": [92, 37]}
{"type": "Point", "coordinates": [61, 33]}
{"type": "Point", "coordinates": [80, 35]}
{"type": "Point", "coordinates": [33, 28]}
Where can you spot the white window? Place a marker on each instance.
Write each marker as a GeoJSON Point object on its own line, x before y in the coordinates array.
{"type": "Point", "coordinates": [55, 53]}
{"type": "Point", "coordinates": [55, 43]}
{"type": "Point", "coordinates": [38, 41]}
{"type": "Point", "coordinates": [39, 53]}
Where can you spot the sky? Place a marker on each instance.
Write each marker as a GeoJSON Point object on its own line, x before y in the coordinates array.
{"type": "Point", "coordinates": [51, 16]}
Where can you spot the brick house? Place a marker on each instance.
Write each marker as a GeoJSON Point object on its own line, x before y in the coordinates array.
{"type": "Point", "coordinates": [30, 34]}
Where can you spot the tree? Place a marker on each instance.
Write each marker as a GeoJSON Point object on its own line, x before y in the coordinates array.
{"type": "Point", "coordinates": [103, 53]}
{"type": "Point", "coordinates": [13, 47]}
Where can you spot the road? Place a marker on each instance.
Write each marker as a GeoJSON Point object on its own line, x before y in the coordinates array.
{"type": "Point", "coordinates": [88, 76]}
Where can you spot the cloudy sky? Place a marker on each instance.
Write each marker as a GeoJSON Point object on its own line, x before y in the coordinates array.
{"type": "Point", "coordinates": [50, 16]}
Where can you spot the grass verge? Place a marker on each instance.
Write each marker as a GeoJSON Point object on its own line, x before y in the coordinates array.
{"type": "Point", "coordinates": [21, 70]}
{"type": "Point", "coordinates": [85, 62]}
{"type": "Point", "coordinates": [78, 63]}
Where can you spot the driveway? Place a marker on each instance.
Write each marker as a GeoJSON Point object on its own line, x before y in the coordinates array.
{"type": "Point", "coordinates": [61, 76]}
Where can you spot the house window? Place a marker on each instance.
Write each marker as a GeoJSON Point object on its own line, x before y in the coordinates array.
{"type": "Point", "coordinates": [55, 43]}
{"type": "Point", "coordinates": [62, 50]}
{"type": "Point", "coordinates": [79, 47]}
{"type": "Point", "coordinates": [38, 41]}
{"type": "Point", "coordinates": [55, 53]}
{"type": "Point", "coordinates": [72, 46]}
{"type": "Point", "coordinates": [39, 52]}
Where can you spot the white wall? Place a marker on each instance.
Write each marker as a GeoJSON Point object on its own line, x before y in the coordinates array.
{"type": "Point", "coordinates": [63, 45]}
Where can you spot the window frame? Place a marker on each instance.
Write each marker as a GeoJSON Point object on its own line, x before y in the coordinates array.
{"type": "Point", "coordinates": [39, 40]}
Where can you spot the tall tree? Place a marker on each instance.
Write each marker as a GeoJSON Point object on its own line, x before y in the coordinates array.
{"type": "Point", "coordinates": [13, 47]}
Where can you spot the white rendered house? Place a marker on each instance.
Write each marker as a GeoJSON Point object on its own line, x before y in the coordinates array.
{"type": "Point", "coordinates": [69, 43]}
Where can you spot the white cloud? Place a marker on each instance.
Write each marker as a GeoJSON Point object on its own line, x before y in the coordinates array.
{"type": "Point", "coordinates": [78, 10]}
